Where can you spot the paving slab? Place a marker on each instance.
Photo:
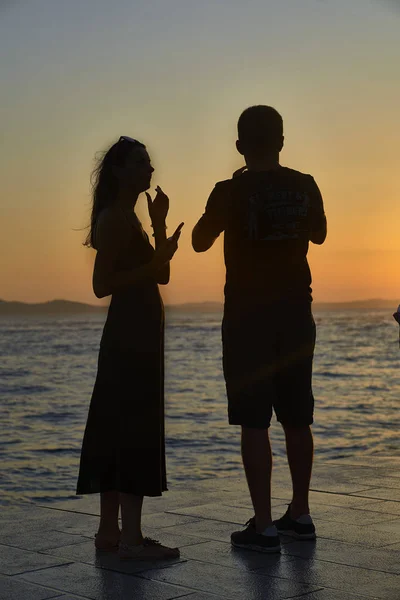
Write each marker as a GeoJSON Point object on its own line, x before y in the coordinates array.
{"type": "Point", "coordinates": [20, 512]}
{"type": "Point", "coordinates": [391, 526]}
{"type": "Point", "coordinates": [279, 492]}
{"type": "Point", "coordinates": [47, 550]}
{"type": "Point", "coordinates": [14, 560]}
{"type": "Point", "coordinates": [205, 529]}
{"type": "Point", "coordinates": [395, 548]}
{"type": "Point", "coordinates": [87, 525]}
{"type": "Point", "coordinates": [355, 534]}
{"type": "Point", "coordinates": [41, 540]}
{"type": "Point", "coordinates": [173, 499]}
{"type": "Point", "coordinates": [24, 521]}
{"type": "Point", "coordinates": [86, 554]}
{"type": "Point", "coordinates": [377, 460]}
{"type": "Point", "coordinates": [190, 596]}
{"type": "Point", "coordinates": [388, 472]}
{"type": "Point", "coordinates": [222, 553]}
{"type": "Point", "coordinates": [339, 487]}
{"type": "Point", "coordinates": [102, 584]}
{"type": "Point", "coordinates": [380, 481]}
{"type": "Point", "coordinates": [236, 515]}
{"type": "Point", "coordinates": [49, 519]}
{"type": "Point", "coordinates": [202, 596]}
{"type": "Point", "coordinates": [384, 560]}
{"type": "Point", "coordinates": [228, 582]}
{"type": "Point", "coordinates": [12, 589]}
{"type": "Point", "coordinates": [384, 507]}
{"type": "Point", "coordinates": [70, 597]}
{"type": "Point", "coordinates": [246, 502]}
{"type": "Point", "coordinates": [167, 519]}
{"type": "Point", "coordinates": [217, 512]}
{"type": "Point", "coordinates": [88, 505]}
{"type": "Point", "coordinates": [280, 480]}
{"type": "Point", "coordinates": [342, 577]}
{"type": "Point", "coordinates": [351, 516]}
{"type": "Point", "coordinates": [327, 594]}
{"type": "Point", "coordinates": [381, 493]}
{"type": "Point", "coordinates": [332, 499]}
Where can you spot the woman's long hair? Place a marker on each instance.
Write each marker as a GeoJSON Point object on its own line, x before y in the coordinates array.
{"type": "Point", "coordinates": [105, 182]}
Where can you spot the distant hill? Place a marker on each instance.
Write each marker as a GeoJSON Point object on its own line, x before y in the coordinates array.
{"type": "Point", "coordinates": [209, 307]}
{"type": "Point", "coordinates": [373, 304]}
{"type": "Point", "coordinates": [54, 307]}
{"type": "Point", "coordinates": [377, 304]}
{"type": "Point", "coordinates": [67, 307]}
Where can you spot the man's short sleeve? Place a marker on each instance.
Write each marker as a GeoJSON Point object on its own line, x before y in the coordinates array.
{"type": "Point", "coordinates": [317, 212]}
{"type": "Point", "coordinates": [212, 223]}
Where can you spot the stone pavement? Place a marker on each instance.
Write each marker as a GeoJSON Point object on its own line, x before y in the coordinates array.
{"type": "Point", "coordinates": [46, 551]}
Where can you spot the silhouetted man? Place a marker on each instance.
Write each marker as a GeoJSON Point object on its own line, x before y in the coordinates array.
{"type": "Point", "coordinates": [269, 214]}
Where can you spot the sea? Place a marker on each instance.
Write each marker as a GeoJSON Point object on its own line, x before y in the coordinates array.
{"type": "Point", "coordinates": [48, 367]}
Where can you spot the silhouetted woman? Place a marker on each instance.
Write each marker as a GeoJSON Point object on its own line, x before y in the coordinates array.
{"type": "Point", "coordinates": [123, 451]}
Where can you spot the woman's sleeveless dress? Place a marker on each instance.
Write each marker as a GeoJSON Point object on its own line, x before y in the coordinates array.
{"type": "Point", "coordinates": [124, 443]}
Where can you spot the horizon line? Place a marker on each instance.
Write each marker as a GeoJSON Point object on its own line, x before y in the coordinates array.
{"type": "Point", "coordinates": [358, 300]}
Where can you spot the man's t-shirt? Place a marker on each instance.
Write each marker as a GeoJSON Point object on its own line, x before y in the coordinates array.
{"type": "Point", "coordinates": [267, 218]}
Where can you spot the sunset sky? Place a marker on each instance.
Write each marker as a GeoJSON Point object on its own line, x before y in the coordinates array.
{"type": "Point", "coordinates": [76, 74]}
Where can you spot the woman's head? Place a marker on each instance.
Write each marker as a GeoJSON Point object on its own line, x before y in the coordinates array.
{"type": "Point", "coordinates": [124, 167]}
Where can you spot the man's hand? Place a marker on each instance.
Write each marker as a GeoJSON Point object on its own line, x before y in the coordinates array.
{"type": "Point", "coordinates": [158, 208]}
{"type": "Point", "coordinates": [238, 172]}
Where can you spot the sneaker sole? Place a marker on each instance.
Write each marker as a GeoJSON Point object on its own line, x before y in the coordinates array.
{"type": "Point", "coordinates": [273, 550]}
{"type": "Point", "coordinates": [298, 536]}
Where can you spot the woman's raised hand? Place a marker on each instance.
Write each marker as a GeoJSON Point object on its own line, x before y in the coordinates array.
{"type": "Point", "coordinates": [164, 253]}
{"type": "Point", "coordinates": [158, 208]}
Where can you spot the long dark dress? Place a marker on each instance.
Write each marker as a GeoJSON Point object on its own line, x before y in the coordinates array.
{"type": "Point", "coordinates": [124, 444]}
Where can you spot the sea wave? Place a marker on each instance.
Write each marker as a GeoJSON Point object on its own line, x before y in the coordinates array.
{"type": "Point", "coordinates": [49, 366]}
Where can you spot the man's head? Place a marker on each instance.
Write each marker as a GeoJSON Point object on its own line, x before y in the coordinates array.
{"type": "Point", "coordinates": [260, 132]}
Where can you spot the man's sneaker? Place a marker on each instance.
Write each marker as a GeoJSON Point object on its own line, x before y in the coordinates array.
{"type": "Point", "coordinates": [268, 541]}
{"type": "Point", "coordinates": [300, 529]}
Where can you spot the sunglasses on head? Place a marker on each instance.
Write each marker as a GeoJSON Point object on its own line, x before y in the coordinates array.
{"type": "Point", "coordinates": [126, 138]}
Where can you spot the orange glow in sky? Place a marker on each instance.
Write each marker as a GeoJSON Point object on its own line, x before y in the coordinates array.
{"type": "Point", "coordinates": [177, 75]}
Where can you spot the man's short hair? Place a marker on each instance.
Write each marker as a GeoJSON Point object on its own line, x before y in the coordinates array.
{"type": "Point", "coordinates": [260, 129]}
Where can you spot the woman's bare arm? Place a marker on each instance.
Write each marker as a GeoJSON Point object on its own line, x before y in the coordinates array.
{"type": "Point", "coordinates": [112, 237]}
{"type": "Point", "coordinates": [160, 238]}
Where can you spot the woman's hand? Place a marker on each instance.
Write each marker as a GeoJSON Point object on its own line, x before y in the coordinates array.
{"type": "Point", "coordinates": [158, 208]}
{"type": "Point", "coordinates": [164, 253]}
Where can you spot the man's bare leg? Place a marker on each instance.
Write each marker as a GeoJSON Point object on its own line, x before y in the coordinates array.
{"type": "Point", "coordinates": [257, 461]}
{"type": "Point", "coordinates": [300, 451]}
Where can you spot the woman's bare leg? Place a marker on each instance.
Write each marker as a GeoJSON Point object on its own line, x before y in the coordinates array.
{"type": "Point", "coordinates": [131, 536]}
{"type": "Point", "coordinates": [109, 509]}
{"type": "Point", "coordinates": [131, 513]}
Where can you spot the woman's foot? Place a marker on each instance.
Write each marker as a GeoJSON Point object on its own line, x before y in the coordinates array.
{"type": "Point", "coordinates": [149, 549]}
{"type": "Point", "coordinates": [107, 541]}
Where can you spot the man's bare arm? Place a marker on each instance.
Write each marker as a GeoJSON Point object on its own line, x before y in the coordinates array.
{"type": "Point", "coordinates": [318, 237]}
{"type": "Point", "coordinates": [200, 241]}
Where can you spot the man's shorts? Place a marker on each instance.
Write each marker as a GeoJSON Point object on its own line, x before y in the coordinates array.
{"type": "Point", "coordinates": [267, 360]}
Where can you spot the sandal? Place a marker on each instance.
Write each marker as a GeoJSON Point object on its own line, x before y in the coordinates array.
{"type": "Point", "coordinates": [149, 550]}
{"type": "Point", "coordinates": [105, 545]}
